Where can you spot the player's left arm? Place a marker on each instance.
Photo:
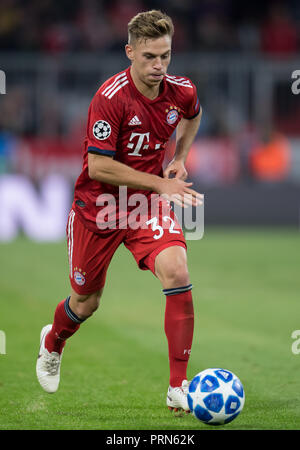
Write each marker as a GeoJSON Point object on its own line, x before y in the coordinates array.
{"type": "Point", "coordinates": [185, 134]}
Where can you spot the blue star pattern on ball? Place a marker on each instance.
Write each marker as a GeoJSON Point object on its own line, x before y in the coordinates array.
{"type": "Point", "coordinates": [216, 396]}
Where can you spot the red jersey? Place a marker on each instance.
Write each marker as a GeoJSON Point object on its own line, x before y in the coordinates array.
{"type": "Point", "coordinates": [133, 129]}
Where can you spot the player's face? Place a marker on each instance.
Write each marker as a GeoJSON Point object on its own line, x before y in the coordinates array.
{"type": "Point", "coordinates": [150, 59]}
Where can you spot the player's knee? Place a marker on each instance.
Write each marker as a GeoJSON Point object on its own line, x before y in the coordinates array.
{"type": "Point", "coordinates": [176, 275]}
{"type": "Point", "coordinates": [85, 305]}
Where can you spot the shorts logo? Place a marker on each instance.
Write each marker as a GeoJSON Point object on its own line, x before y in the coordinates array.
{"type": "Point", "coordinates": [172, 115]}
{"type": "Point", "coordinates": [101, 130]}
{"type": "Point", "coordinates": [79, 277]}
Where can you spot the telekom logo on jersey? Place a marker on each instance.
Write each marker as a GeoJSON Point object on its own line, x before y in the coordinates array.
{"type": "Point", "coordinates": [137, 144]}
{"type": "Point", "coordinates": [152, 212]}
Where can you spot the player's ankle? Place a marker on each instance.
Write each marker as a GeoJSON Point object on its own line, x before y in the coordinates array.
{"type": "Point", "coordinates": [54, 344]}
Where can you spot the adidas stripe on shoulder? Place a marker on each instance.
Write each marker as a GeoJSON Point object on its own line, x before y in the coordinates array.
{"type": "Point", "coordinates": [179, 81]}
{"type": "Point", "coordinates": [118, 82]}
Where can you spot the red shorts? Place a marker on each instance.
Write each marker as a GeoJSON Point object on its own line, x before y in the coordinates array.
{"type": "Point", "coordinates": [90, 253]}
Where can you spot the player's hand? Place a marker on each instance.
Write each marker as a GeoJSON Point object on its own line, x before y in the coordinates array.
{"type": "Point", "coordinates": [177, 169]}
{"type": "Point", "coordinates": [179, 192]}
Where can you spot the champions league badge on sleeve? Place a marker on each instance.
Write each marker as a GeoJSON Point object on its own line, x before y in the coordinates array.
{"type": "Point", "coordinates": [101, 130]}
{"type": "Point", "coordinates": [172, 114]}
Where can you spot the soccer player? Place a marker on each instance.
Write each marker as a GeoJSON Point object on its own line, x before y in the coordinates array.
{"type": "Point", "coordinates": [130, 119]}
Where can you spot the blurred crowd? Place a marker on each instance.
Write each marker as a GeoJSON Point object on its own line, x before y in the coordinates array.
{"type": "Point", "coordinates": [101, 25]}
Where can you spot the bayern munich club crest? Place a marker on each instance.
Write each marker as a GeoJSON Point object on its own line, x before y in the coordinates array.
{"type": "Point", "coordinates": [101, 130]}
{"type": "Point", "coordinates": [79, 276]}
{"type": "Point", "coordinates": [172, 115]}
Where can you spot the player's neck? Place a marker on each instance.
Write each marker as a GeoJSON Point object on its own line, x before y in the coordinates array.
{"type": "Point", "coordinates": [151, 92]}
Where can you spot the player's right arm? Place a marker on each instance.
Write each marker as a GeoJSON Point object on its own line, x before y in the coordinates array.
{"type": "Point", "coordinates": [106, 170]}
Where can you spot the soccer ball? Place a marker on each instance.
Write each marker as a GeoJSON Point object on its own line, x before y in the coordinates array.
{"type": "Point", "coordinates": [216, 396]}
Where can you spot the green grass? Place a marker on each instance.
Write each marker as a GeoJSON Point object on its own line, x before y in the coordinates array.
{"type": "Point", "coordinates": [115, 369]}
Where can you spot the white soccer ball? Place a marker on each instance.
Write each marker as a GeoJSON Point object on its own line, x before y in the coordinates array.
{"type": "Point", "coordinates": [216, 396]}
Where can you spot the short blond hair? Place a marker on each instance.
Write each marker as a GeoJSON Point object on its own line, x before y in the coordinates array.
{"type": "Point", "coordinates": [149, 25]}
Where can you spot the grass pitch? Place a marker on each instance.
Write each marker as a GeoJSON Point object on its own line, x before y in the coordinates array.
{"type": "Point", "coordinates": [115, 369]}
